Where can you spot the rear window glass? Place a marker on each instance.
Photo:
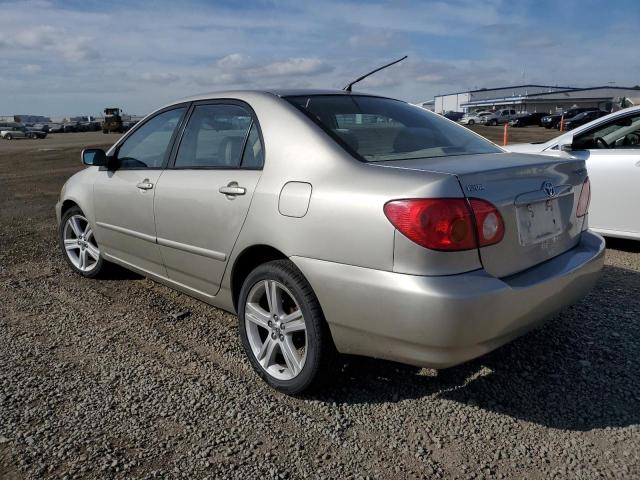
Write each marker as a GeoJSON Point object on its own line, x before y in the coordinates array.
{"type": "Point", "coordinates": [376, 129]}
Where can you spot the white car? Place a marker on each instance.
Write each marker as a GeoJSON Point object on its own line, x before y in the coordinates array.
{"type": "Point", "coordinates": [473, 118]}
{"type": "Point", "coordinates": [9, 133]}
{"type": "Point", "coordinates": [611, 147]}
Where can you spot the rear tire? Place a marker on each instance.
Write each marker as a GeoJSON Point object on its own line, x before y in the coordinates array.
{"type": "Point", "coordinates": [290, 349]}
{"type": "Point", "coordinates": [8, 137]}
{"type": "Point", "coordinates": [470, 122]}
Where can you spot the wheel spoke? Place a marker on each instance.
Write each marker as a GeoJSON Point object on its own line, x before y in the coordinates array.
{"type": "Point", "coordinates": [88, 233]}
{"type": "Point", "coordinates": [83, 259]}
{"type": "Point", "coordinates": [292, 316]}
{"type": "Point", "coordinates": [290, 355]}
{"type": "Point", "coordinates": [296, 326]}
{"type": "Point", "coordinates": [75, 226]}
{"type": "Point", "coordinates": [274, 298]}
{"type": "Point", "coordinates": [266, 353]}
{"type": "Point", "coordinates": [93, 252]}
{"type": "Point", "coordinates": [71, 244]}
{"type": "Point", "coordinates": [256, 314]}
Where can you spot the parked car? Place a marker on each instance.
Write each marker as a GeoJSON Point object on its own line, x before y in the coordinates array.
{"type": "Point", "coordinates": [56, 128]}
{"type": "Point", "coordinates": [451, 115]}
{"type": "Point", "coordinates": [474, 117]}
{"type": "Point", "coordinates": [528, 119]}
{"type": "Point", "coordinates": [610, 146]}
{"type": "Point", "coordinates": [11, 133]}
{"type": "Point", "coordinates": [553, 120]}
{"type": "Point", "coordinates": [500, 117]}
{"type": "Point", "coordinates": [582, 118]}
{"type": "Point", "coordinates": [35, 133]}
{"type": "Point", "coordinates": [401, 264]}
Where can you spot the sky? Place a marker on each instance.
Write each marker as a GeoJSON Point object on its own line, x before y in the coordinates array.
{"type": "Point", "coordinates": [75, 57]}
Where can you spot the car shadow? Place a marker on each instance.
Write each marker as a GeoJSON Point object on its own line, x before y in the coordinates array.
{"type": "Point", "coordinates": [116, 272]}
{"type": "Point", "coordinates": [578, 372]}
{"type": "Point", "coordinates": [632, 246]}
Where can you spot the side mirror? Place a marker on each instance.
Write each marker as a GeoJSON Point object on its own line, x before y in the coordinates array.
{"type": "Point", "coordinates": [566, 147]}
{"type": "Point", "coordinates": [94, 157]}
{"type": "Point", "coordinates": [566, 144]}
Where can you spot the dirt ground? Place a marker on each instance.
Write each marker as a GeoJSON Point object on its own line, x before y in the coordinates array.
{"type": "Point", "coordinates": [99, 380]}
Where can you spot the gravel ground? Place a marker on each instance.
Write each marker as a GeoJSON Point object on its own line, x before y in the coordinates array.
{"type": "Point", "coordinates": [106, 378]}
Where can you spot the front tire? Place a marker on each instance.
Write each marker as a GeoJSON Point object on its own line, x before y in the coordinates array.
{"type": "Point", "coordinates": [282, 328]}
{"type": "Point", "coordinates": [471, 122]}
{"type": "Point", "coordinates": [79, 245]}
{"type": "Point", "coordinates": [8, 137]}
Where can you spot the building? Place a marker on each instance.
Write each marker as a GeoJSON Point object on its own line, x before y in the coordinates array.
{"type": "Point", "coordinates": [534, 98]}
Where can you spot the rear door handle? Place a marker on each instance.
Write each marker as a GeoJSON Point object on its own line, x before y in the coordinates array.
{"type": "Point", "coordinates": [232, 189]}
{"type": "Point", "coordinates": [145, 184]}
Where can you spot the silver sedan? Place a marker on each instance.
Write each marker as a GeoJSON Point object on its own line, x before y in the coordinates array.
{"type": "Point", "coordinates": [332, 221]}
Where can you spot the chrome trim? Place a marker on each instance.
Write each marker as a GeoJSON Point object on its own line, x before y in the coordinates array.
{"type": "Point", "coordinates": [126, 231]}
{"type": "Point", "coordinates": [541, 195]}
{"type": "Point", "coordinates": [203, 252]}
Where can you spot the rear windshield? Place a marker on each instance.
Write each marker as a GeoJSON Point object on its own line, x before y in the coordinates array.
{"type": "Point", "coordinates": [376, 129]}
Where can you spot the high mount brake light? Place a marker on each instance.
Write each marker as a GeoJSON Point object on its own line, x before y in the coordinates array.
{"type": "Point", "coordinates": [449, 224]}
{"type": "Point", "coordinates": [585, 198]}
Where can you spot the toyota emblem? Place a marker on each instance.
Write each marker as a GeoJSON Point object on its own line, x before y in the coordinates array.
{"type": "Point", "coordinates": [549, 189]}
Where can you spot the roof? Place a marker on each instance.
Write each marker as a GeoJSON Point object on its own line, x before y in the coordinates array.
{"type": "Point", "coordinates": [278, 92]}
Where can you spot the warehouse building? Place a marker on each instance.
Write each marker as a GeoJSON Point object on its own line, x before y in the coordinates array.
{"type": "Point", "coordinates": [534, 98]}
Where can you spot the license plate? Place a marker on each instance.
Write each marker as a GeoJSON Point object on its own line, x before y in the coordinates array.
{"type": "Point", "coordinates": [538, 221]}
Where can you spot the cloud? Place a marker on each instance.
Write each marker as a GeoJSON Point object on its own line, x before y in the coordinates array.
{"type": "Point", "coordinates": [293, 66]}
{"type": "Point", "coordinates": [31, 69]}
{"type": "Point", "coordinates": [74, 57]}
{"type": "Point", "coordinates": [160, 78]}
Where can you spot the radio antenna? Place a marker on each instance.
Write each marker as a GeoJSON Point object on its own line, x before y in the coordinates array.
{"type": "Point", "coordinates": [348, 87]}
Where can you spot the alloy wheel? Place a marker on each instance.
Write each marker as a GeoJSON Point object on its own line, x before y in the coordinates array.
{"type": "Point", "coordinates": [80, 243]}
{"type": "Point", "coordinates": [276, 329]}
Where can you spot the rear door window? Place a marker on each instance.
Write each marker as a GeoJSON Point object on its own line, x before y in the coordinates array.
{"type": "Point", "coordinates": [215, 137]}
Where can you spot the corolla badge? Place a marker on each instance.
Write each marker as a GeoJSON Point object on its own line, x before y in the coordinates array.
{"type": "Point", "coordinates": [549, 189]}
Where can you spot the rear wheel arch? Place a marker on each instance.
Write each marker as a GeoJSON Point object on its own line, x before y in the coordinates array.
{"type": "Point", "coordinates": [250, 258]}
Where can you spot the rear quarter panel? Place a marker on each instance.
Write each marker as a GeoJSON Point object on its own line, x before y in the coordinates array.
{"type": "Point", "coordinates": [345, 222]}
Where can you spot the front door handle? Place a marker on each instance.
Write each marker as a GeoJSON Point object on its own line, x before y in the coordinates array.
{"type": "Point", "coordinates": [232, 189]}
{"type": "Point", "coordinates": [145, 184]}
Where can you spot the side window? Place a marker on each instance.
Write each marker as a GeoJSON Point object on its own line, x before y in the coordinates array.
{"type": "Point", "coordinates": [148, 145]}
{"type": "Point", "coordinates": [253, 156]}
{"type": "Point", "coordinates": [214, 137]}
{"type": "Point", "coordinates": [621, 133]}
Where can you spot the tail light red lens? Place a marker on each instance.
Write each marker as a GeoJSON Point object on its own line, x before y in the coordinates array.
{"type": "Point", "coordinates": [585, 198]}
{"type": "Point", "coordinates": [449, 224]}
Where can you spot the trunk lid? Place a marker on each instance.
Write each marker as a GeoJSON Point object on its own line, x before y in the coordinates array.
{"type": "Point", "coordinates": [537, 197]}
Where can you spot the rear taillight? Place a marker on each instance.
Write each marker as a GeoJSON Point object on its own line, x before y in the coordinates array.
{"type": "Point", "coordinates": [449, 224]}
{"type": "Point", "coordinates": [489, 223]}
{"type": "Point", "coordinates": [585, 198]}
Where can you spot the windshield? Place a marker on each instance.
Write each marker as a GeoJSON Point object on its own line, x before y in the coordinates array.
{"type": "Point", "coordinates": [376, 129]}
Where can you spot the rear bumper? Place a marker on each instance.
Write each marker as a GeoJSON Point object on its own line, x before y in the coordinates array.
{"type": "Point", "coordinates": [446, 320]}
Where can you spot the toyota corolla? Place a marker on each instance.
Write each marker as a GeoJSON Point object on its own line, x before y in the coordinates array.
{"type": "Point", "coordinates": [333, 221]}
